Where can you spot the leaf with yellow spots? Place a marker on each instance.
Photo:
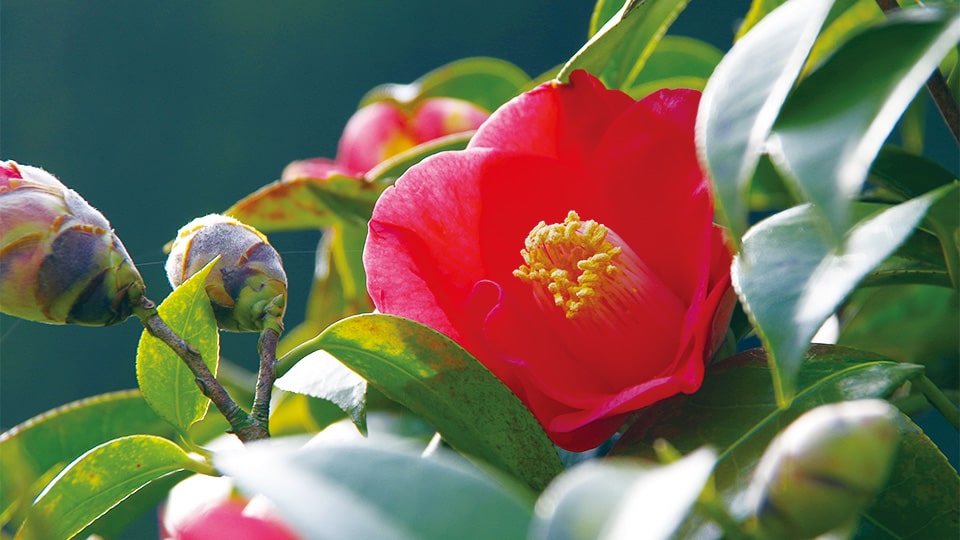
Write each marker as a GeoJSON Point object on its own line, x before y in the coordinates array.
{"type": "Point", "coordinates": [307, 203]}
{"type": "Point", "coordinates": [167, 383]}
{"type": "Point", "coordinates": [435, 378]}
{"type": "Point", "coordinates": [99, 480]}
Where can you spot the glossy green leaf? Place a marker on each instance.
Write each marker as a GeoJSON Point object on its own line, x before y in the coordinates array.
{"type": "Point", "coordinates": [736, 411]}
{"type": "Point", "coordinates": [358, 490]}
{"type": "Point", "coordinates": [167, 383]}
{"type": "Point", "coordinates": [676, 62]}
{"type": "Point", "coordinates": [614, 499]}
{"type": "Point", "coordinates": [99, 480]}
{"type": "Point", "coordinates": [847, 18]}
{"type": "Point", "coordinates": [834, 124]}
{"type": "Point", "coordinates": [320, 375]}
{"type": "Point", "coordinates": [435, 378]}
{"type": "Point", "coordinates": [307, 204]}
{"type": "Point", "coordinates": [740, 102]}
{"type": "Point", "coordinates": [790, 278]}
{"type": "Point", "coordinates": [487, 82]}
{"type": "Point", "coordinates": [43, 445]}
{"type": "Point", "coordinates": [618, 51]}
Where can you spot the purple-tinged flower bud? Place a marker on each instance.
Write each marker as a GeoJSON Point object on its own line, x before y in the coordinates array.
{"type": "Point", "coordinates": [824, 469]}
{"type": "Point", "coordinates": [60, 262]}
{"type": "Point", "coordinates": [247, 287]}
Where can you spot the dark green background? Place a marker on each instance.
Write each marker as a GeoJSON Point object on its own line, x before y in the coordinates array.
{"type": "Point", "coordinates": [158, 112]}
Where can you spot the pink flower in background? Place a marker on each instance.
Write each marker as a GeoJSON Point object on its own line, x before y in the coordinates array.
{"type": "Point", "coordinates": [570, 248]}
{"type": "Point", "coordinates": [384, 129]}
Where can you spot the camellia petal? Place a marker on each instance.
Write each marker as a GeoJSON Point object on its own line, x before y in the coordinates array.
{"type": "Point", "coordinates": [570, 248]}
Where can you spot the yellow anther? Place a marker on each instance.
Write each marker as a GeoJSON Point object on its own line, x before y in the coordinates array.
{"type": "Point", "coordinates": [573, 262]}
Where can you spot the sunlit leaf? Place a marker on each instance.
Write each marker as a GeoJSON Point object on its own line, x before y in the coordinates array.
{"type": "Point", "coordinates": [307, 203]}
{"type": "Point", "coordinates": [167, 383]}
{"type": "Point", "coordinates": [788, 270]}
{"type": "Point", "coordinates": [99, 480]}
{"type": "Point", "coordinates": [43, 445]}
{"type": "Point", "coordinates": [603, 11]}
{"type": "Point", "coordinates": [435, 378]}
{"type": "Point", "coordinates": [833, 125]}
{"type": "Point", "coordinates": [143, 502]}
{"type": "Point", "coordinates": [358, 490]}
{"type": "Point", "coordinates": [487, 82]}
{"type": "Point", "coordinates": [618, 51]}
{"type": "Point", "coordinates": [740, 102]}
{"type": "Point", "coordinates": [736, 412]}
{"type": "Point", "coordinates": [677, 62]}
{"type": "Point", "coordinates": [616, 498]}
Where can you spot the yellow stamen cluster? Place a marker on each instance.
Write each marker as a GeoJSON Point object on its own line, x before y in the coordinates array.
{"type": "Point", "coordinates": [572, 262]}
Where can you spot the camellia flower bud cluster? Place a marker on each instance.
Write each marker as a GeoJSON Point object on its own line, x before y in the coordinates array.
{"type": "Point", "coordinates": [824, 469]}
{"type": "Point", "coordinates": [384, 129]}
{"type": "Point", "coordinates": [247, 287]}
{"type": "Point", "coordinates": [60, 261]}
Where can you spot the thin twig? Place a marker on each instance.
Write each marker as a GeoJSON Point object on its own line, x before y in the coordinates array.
{"type": "Point", "coordinates": [242, 424]}
{"type": "Point", "coordinates": [268, 364]}
{"type": "Point", "coordinates": [936, 86]}
{"type": "Point", "coordinates": [939, 400]}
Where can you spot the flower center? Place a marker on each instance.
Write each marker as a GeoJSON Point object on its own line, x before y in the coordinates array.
{"type": "Point", "coordinates": [582, 267]}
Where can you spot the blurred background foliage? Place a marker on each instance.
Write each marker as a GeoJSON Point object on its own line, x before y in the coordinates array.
{"type": "Point", "coordinates": [158, 112]}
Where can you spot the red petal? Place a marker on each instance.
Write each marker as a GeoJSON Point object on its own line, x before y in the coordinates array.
{"type": "Point", "coordinates": [563, 121]}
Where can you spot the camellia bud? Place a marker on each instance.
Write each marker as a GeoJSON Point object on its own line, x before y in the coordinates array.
{"type": "Point", "coordinates": [824, 469]}
{"type": "Point", "coordinates": [60, 262]}
{"type": "Point", "coordinates": [247, 287]}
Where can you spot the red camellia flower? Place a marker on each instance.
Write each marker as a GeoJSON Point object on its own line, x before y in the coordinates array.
{"type": "Point", "coordinates": [570, 248]}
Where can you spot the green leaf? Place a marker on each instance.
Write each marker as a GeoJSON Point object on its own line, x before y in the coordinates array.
{"type": "Point", "coordinates": [736, 411]}
{"type": "Point", "coordinates": [487, 82]}
{"type": "Point", "coordinates": [615, 498]}
{"type": "Point", "coordinates": [99, 480]}
{"type": "Point", "coordinates": [143, 502]}
{"type": "Point", "coordinates": [387, 492]}
{"type": "Point", "coordinates": [435, 378]}
{"type": "Point", "coordinates": [907, 175]}
{"type": "Point", "coordinates": [914, 323]}
{"type": "Point", "coordinates": [307, 204]}
{"type": "Point", "coordinates": [389, 170]}
{"type": "Point", "coordinates": [321, 375]}
{"type": "Point", "coordinates": [790, 279]}
{"type": "Point", "coordinates": [42, 446]}
{"type": "Point", "coordinates": [167, 383]}
{"type": "Point", "coordinates": [618, 51]}
{"type": "Point", "coordinates": [677, 62]}
{"type": "Point", "coordinates": [740, 102]}
{"type": "Point", "coordinates": [833, 125]}
{"type": "Point", "coordinates": [603, 11]}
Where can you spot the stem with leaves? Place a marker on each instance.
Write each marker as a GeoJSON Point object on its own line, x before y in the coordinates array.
{"type": "Point", "coordinates": [245, 426]}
